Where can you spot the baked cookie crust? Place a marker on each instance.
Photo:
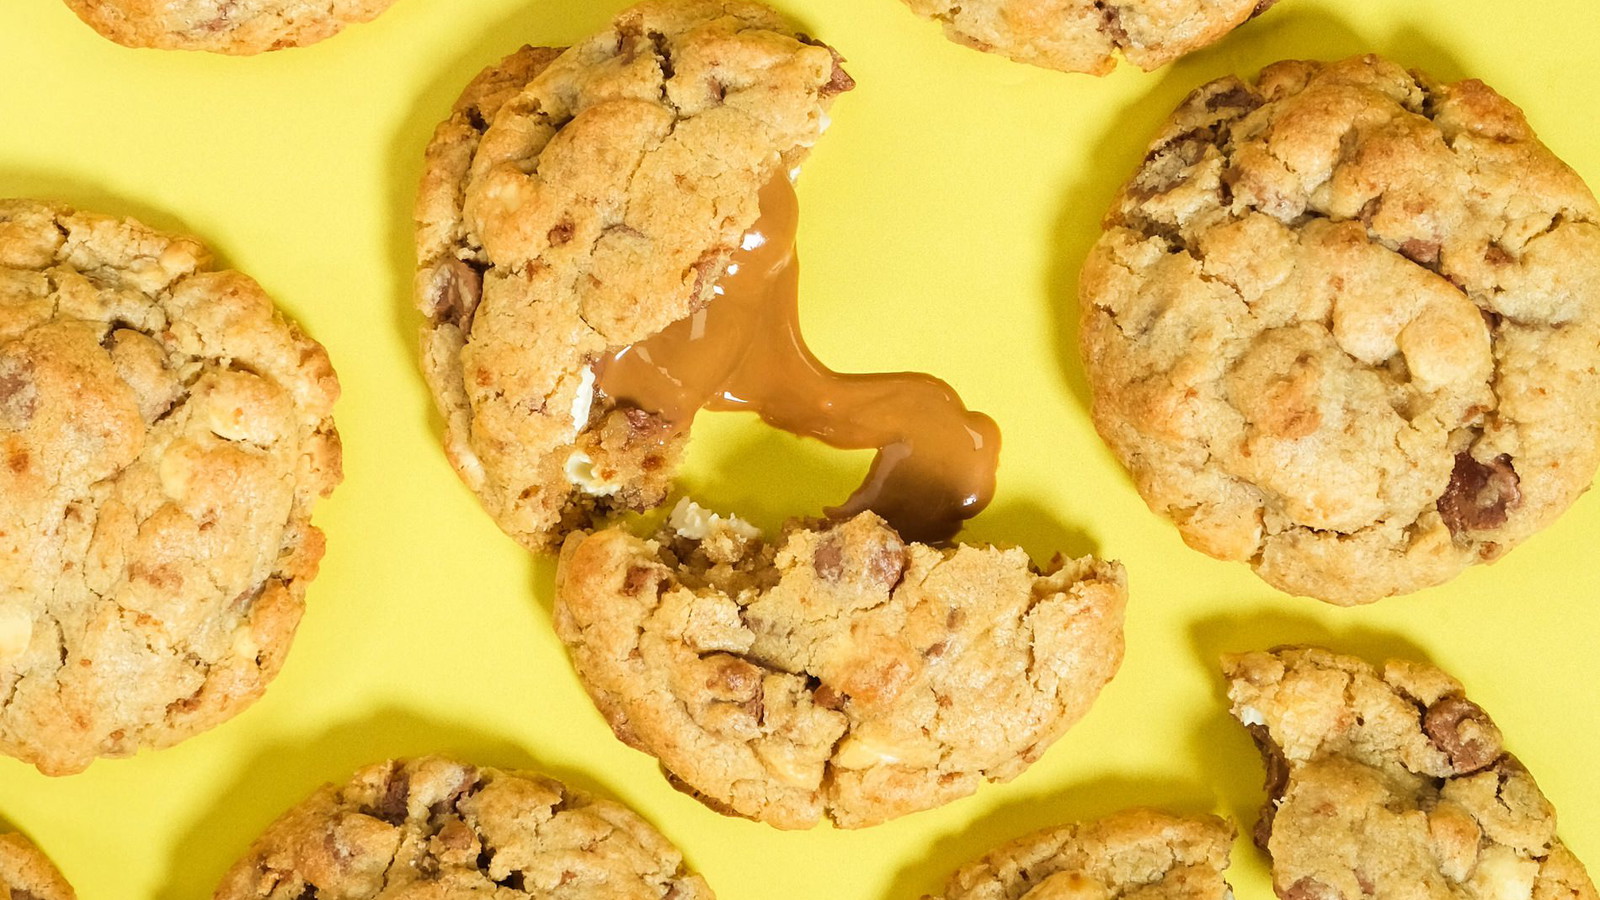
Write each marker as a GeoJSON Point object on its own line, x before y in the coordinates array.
{"type": "Point", "coordinates": [164, 432]}
{"type": "Point", "coordinates": [1388, 782]}
{"type": "Point", "coordinates": [1089, 35]}
{"type": "Point", "coordinates": [27, 874]}
{"type": "Point", "coordinates": [581, 201]}
{"type": "Point", "coordinates": [1138, 854]}
{"type": "Point", "coordinates": [838, 672]}
{"type": "Point", "coordinates": [1342, 325]}
{"type": "Point", "coordinates": [432, 828]}
{"type": "Point", "coordinates": [236, 27]}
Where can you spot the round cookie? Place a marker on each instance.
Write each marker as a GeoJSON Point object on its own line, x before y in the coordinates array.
{"type": "Point", "coordinates": [584, 201]}
{"type": "Point", "coordinates": [838, 672]}
{"type": "Point", "coordinates": [1387, 782]}
{"type": "Point", "coordinates": [1136, 853]}
{"type": "Point", "coordinates": [1088, 35]}
{"type": "Point", "coordinates": [1342, 325]}
{"type": "Point", "coordinates": [237, 27]}
{"type": "Point", "coordinates": [27, 874]}
{"type": "Point", "coordinates": [164, 432]}
{"type": "Point", "coordinates": [434, 829]}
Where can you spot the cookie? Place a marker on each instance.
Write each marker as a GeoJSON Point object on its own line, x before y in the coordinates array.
{"type": "Point", "coordinates": [838, 672]}
{"type": "Point", "coordinates": [582, 202]}
{"type": "Point", "coordinates": [1089, 35]}
{"type": "Point", "coordinates": [237, 27]}
{"type": "Point", "coordinates": [1342, 326]}
{"type": "Point", "coordinates": [1390, 783]}
{"type": "Point", "coordinates": [1136, 853]}
{"type": "Point", "coordinates": [433, 828]}
{"type": "Point", "coordinates": [27, 874]}
{"type": "Point", "coordinates": [164, 432]}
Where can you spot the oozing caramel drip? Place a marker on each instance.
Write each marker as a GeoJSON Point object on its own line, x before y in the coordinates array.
{"type": "Point", "coordinates": [743, 351]}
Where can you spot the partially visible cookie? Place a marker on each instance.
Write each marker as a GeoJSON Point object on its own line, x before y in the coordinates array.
{"type": "Point", "coordinates": [27, 874]}
{"type": "Point", "coordinates": [434, 829]}
{"type": "Point", "coordinates": [1089, 35]}
{"type": "Point", "coordinates": [164, 433]}
{"type": "Point", "coordinates": [1344, 325]}
{"type": "Point", "coordinates": [238, 27]}
{"type": "Point", "coordinates": [1136, 854]}
{"type": "Point", "coordinates": [839, 672]}
{"type": "Point", "coordinates": [581, 202]}
{"type": "Point", "coordinates": [1390, 783]}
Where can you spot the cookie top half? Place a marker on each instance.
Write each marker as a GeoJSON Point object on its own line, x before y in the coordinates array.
{"type": "Point", "coordinates": [584, 201]}
{"type": "Point", "coordinates": [436, 829]}
{"type": "Point", "coordinates": [1089, 35]}
{"type": "Point", "coordinates": [837, 672]}
{"type": "Point", "coordinates": [1342, 325]}
{"type": "Point", "coordinates": [27, 874]}
{"type": "Point", "coordinates": [164, 432]}
{"type": "Point", "coordinates": [1138, 854]}
{"type": "Point", "coordinates": [238, 27]}
{"type": "Point", "coordinates": [1388, 782]}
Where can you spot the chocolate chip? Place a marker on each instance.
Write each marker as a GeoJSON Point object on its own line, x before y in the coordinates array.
{"type": "Point", "coordinates": [1262, 7]}
{"type": "Point", "coordinates": [19, 398]}
{"type": "Point", "coordinates": [391, 806]}
{"type": "Point", "coordinates": [839, 81]}
{"type": "Point", "coordinates": [828, 698]}
{"type": "Point", "coordinates": [1310, 889]}
{"type": "Point", "coordinates": [561, 234]}
{"type": "Point", "coordinates": [1480, 495]}
{"type": "Point", "coordinates": [887, 564]}
{"type": "Point", "coordinates": [1239, 96]}
{"type": "Point", "coordinates": [828, 560]}
{"type": "Point", "coordinates": [1277, 780]}
{"type": "Point", "coordinates": [453, 297]}
{"type": "Point", "coordinates": [1111, 23]}
{"type": "Point", "coordinates": [1463, 732]}
{"type": "Point", "coordinates": [1423, 253]}
{"type": "Point", "coordinates": [636, 580]}
{"type": "Point", "coordinates": [1496, 255]}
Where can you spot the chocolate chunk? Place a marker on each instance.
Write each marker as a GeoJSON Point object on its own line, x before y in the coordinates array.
{"type": "Point", "coordinates": [1238, 96]}
{"type": "Point", "coordinates": [1276, 783]}
{"type": "Point", "coordinates": [828, 560]}
{"type": "Point", "coordinates": [1480, 495]}
{"type": "Point", "coordinates": [1309, 889]}
{"type": "Point", "coordinates": [1463, 732]}
{"type": "Point", "coordinates": [1262, 7]}
{"type": "Point", "coordinates": [454, 294]}
{"type": "Point", "coordinates": [561, 234]}
{"type": "Point", "coordinates": [1423, 253]}
{"type": "Point", "coordinates": [1111, 23]}
{"type": "Point", "coordinates": [391, 806]}
{"type": "Point", "coordinates": [887, 564]}
{"type": "Point", "coordinates": [839, 81]}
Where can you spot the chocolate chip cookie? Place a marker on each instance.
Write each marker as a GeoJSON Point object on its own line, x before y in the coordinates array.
{"type": "Point", "coordinates": [1390, 783]}
{"type": "Point", "coordinates": [1342, 326]}
{"type": "Point", "coordinates": [238, 27]}
{"type": "Point", "coordinates": [164, 433]}
{"type": "Point", "coordinates": [1136, 853]}
{"type": "Point", "coordinates": [27, 874]}
{"type": "Point", "coordinates": [584, 201]}
{"type": "Point", "coordinates": [434, 828]}
{"type": "Point", "coordinates": [838, 672]}
{"type": "Point", "coordinates": [1088, 35]}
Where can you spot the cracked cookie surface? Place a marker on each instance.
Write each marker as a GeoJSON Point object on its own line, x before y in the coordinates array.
{"type": "Point", "coordinates": [238, 27]}
{"type": "Point", "coordinates": [1089, 35]}
{"type": "Point", "coordinates": [580, 201]}
{"type": "Point", "coordinates": [1136, 854]}
{"type": "Point", "coordinates": [840, 672]}
{"type": "Point", "coordinates": [164, 432]}
{"type": "Point", "coordinates": [435, 829]}
{"type": "Point", "coordinates": [1342, 325]}
{"type": "Point", "coordinates": [1388, 782]}
{"type": "Point", "coordinates": [27, 874]}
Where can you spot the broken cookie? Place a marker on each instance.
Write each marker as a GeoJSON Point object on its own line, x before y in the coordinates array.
{"type": "Point", "coordinates": [164, 434]}
{"type": "Point", "coordinates": [237, 27]}
{"type": "Point", "coordinates": [839, 672]}
{"type": "Point", "coordinates": [434, 828]}
{"type": "Point", "coordinates": [1388, 782]}
{"type": "Point", "coordinates": [27, 874]}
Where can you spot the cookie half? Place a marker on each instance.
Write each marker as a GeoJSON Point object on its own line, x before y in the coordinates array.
{"type": "Point", "coordinates": [1388, 782]}
{"type": "Point", "coordinates": [27, 874]}
{"type": "Point", "coordinates": [839, 672]}
{"type": "Point", "coordinates": [435, 828]}
{"type": "Point", "coordinates": [164, 433]}
{"type": "Point", "coordinates": [1342, 325]}
{"type": "Point", "coordinates": [237, 27]}
{"type": "Point", "coordinates": [584, 201]}
{"type": "Point", "coordinates": [1136, 853]}
{"type": "Point", "coordinates": [1089, 35]}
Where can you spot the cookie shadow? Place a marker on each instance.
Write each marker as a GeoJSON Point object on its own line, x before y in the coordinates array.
{"type": "Point", "coordinates": [539, 24]}
{"type": "Point", "coordinates": [1224, 747]}
{"type": "Point", "coordinates": [1085, 802]}
{"type": "Point", "coordinates": [1034, 528]}
{"type": "Point", "coordinates": [90, 197]}
{"type": "Point", "coordinates": [1285, 32]}
{"type": "Point", "coordinates": [283, 774]}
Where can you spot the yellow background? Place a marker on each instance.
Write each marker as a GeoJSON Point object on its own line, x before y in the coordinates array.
{"type": "Point", "coordinates": [945, 217]}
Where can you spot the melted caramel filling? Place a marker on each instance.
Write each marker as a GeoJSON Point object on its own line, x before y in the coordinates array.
{"type": "Point", "coordinates": [743, 351]}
